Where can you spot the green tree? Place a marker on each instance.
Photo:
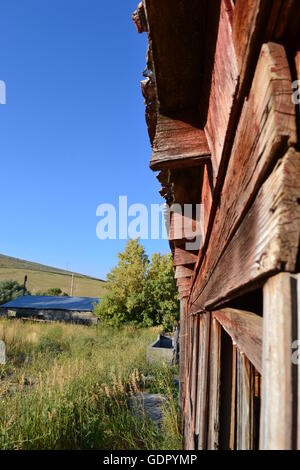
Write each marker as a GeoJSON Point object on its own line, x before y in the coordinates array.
{"type": "Point", "coordinates": [122, 301]}
{"type": "Point", "coordinates": [10, 290]}
{"type": "Point", "coordinates": [139, 293]}
{"type": "Point", "coordinates": [160, 295]}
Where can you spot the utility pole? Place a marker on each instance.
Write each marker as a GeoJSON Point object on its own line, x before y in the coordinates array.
{"type": "Point", "coordinates": [24, 285]}
{"type": "Point", "coordinates": [72, 285]}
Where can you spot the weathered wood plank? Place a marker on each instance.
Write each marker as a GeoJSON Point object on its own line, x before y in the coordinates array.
{"type": "Point", "coordinates": [189, 442]}
{"type": "Point", "coordinates": [214, 386]}
{"type": "Point", "coordinates": [183, 227]}
{"type": "Point", "coordinates": [296, 363]}
{"type": "Point", "coordinates": [285, 27]}
{"type": "Point", "coordinates": [182, 353]}
{"type": "Point", "coordinates": [223, 86]}
{"type": "Point", "coordinates": [277, 394]}
{"type": "Point", "coordinates": [266, 242]}
{"type": "Point", "coordinates": [259, 21]}
{"type": "Point", "coordinates": [183, 272]}
{"type": "Point", "coordinates": [246, 331]}
{"type": "Point", "coordinates": [189, 425]}
{"type": "Point", "coordinates": [202, 399]}
{"type": "Point", "coordinates": [177, 32]}
{"type": "Point", "coordinates": [183, 282]}
{"type": "Point", "coordinates": [297, 63]}
{"type": "Point", "coordinates": [183, 293]}
{"type": "Point", "coordinates": [232, 437]}
{"type": "Point", "coordinates": [266, 127]}
{"type": "Point", "coordinates": [245, 410]}
{"type": "Point", "coordinates": [182, 257]}
{"type": "Point", "coordinates": [178, 144]}
{"type": "Point", "coordinates": [207, 195]}
{"type": "Point", "coordinates": [244, 27]}
{"type": "Point", "coordinates": [194, 367]}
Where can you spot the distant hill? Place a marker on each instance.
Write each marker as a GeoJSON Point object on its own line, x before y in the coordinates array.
{"type": "Point", "coordinates": [42, 278]}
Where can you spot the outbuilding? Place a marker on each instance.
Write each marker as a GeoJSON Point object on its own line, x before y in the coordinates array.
{"type": "Point", "coordinates": [65, 309]}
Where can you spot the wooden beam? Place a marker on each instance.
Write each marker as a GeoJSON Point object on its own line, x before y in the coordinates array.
{"type": "Point", "coordinates": [245, 404]}
{"type": "Point", "coordinates": [246, 331]}
{"type": "Point", "coordinates": [183, 272]}
{"type": "Point", "coordinates": [184, 282]}
{"type": "Point", "coordinates": [297, 63]}
{"type": "Point", "coordinates": [244, 28]}
{"type": "Point", "coordinates": [176, 34]}
{"type": "Point", "coordinates": [183, 227]}
{"type": "Point", "coordinates": [296, 357]}
{"type": "Point", "coordinates": [232, 437]}
{"type": "Point", "coordinates": [207, 194]}
{"type": "Point", "coordinates": [182, 257]}
{"type": "Point", "coordinates": [202, 398]}
{"type": "Point", "coordinates": [183, 294]}
{"type": "Point", "coordinates": [266, 242]}
{"type": "Point", "coordinates": [214, 386]}
{"type": "Point", "coordinates": [224, 82]}
{"type": "Point", "coordinates": [194, 367]}
{"type": "Point", "coordinates": [189, 440]}
{"type": "Point", "coordinates": [281, 309]}
{"type": "Point", "coordinates": [182, 353]}
{"type": "Point", "coordinates": [178, 144]}
{"type": "Point", "coordinates": [271, 113]}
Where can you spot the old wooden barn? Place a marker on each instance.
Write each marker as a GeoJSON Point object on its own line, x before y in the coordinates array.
{"type": "Point", "coordinates": [222, 109]}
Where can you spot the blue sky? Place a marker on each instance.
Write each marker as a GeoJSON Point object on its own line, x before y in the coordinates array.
{"type": "Point", "coordinates": [73, 132]}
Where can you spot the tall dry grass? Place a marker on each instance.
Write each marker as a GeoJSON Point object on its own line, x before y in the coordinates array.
{"type": "Point", "coordinates": [67, 387]}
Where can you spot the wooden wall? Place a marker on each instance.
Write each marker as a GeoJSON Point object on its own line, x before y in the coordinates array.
{"type": "Point", "coordinates": [227, 136]}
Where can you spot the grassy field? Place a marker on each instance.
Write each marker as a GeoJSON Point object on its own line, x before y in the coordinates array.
{"type": "Point", "coordinates": [67, 387]}
{"type": "Point", "coordinates": [42, 278]}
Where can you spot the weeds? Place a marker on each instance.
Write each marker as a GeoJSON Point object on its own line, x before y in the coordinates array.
{"type": "Point", "coordinates": [67, 387]}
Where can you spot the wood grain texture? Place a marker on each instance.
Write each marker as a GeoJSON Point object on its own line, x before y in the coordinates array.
{"type": "Point", "coordinates": [177, 30]}
{"type": "Point", "coordinates": [178, 143]}
{"type": "Point", "coordinates": [183, 271]}
{"type": "Point", "coordinates": [267, 126]}
{"type": "Point", "coordinates": [270, 245]}
{"type": "Point", "coordinates": [202, 398]}
{"type": "Point", "coordinates": [223, 88]}
{"type": "Point", "coordinates": [182, 353]}
{"type": "Point", "coordinates": [183, 293]}
{"type": "Point", "coordinates": [244, 403]}
{"type": "Point", "coordinates": [182, 257]}
{"type": "Point", "coordinates": [194, 368]}
{"type": "Point", "coordinates": [277, 394]}
{"type": "Point", "coordinates": [297, 63]}
{"type": "Point", "coordinates": [296, 367]}
{"type": "Point", "coordinates": [189, 440]}
{"type": "Point", "coordinates": [245, 22]}
{"type": "Point", "coordinates": [183, 282]}
{"type": "Point", "coordinates": [207, 194]}
{"type": "Point", "coordinates": [246, 331]}
{"type": "Point", "coordinates": [214, 386]}
{"type": "Point", "coordinates": [232, 437]}
{"type": "Point", "coordinates": [182, 227]}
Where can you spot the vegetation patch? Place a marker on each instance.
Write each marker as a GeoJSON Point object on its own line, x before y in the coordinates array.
{"type": "Point", "coordinates": [68, 387]}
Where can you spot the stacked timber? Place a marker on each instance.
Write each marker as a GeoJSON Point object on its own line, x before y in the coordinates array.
{"type": "Point", "coordinates": [222, 108]}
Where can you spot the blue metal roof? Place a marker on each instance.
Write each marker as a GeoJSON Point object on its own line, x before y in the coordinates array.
{"type": "Point", "coordinates": [83, 304]}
